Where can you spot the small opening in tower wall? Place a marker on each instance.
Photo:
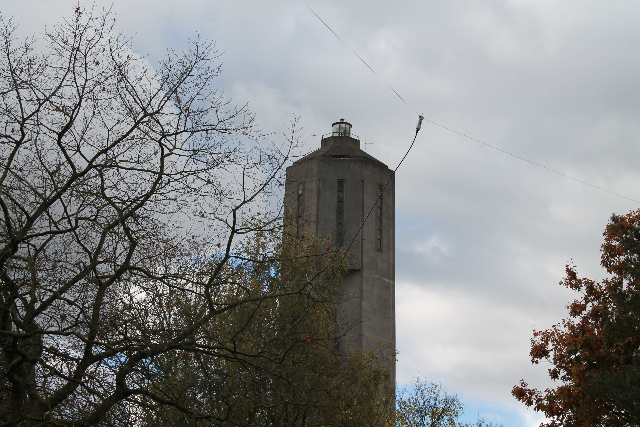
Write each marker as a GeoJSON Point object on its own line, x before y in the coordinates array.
{"type": "Point", "coordinates": [340, 211]}
{"type": "Point", "coordinates": [379, 220]}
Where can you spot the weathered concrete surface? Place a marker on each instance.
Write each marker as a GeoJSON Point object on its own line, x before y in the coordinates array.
{"type": "Point", "coordinates": [367, 309]}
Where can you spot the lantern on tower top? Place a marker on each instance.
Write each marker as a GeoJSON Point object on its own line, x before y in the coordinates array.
{"type": "Point", "coordinates": [341, 128]}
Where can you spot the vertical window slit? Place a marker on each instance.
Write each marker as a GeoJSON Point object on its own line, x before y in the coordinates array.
{"type": "Point", "coordinates": [299, 204]}
{"type": "Point", "coordinates": [340, 211]}
{"type": "Point", "coordinates": [379, 220]}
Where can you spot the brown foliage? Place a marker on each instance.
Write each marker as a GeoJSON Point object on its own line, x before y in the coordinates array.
{"type": "Point", "coordinates": [596, 343]}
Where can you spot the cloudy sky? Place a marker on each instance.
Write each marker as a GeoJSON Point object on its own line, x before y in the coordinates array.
{"type": "Point", "coordinates": [482, 236]}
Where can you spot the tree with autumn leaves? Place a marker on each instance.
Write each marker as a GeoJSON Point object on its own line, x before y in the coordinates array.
{"type": "Point", "coordinates": [595, 352]}
{"type": "Point", "coordinates": [143, 278]}
{"type": "Point", "coordinates": [272, 361]}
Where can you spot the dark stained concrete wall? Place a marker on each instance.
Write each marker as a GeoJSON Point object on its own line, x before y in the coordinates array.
{"type": "Point", "coordinates": [367, 310]}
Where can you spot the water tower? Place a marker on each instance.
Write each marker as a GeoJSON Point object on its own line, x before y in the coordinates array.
{"type": "Point", "coordinates": [331, 191]}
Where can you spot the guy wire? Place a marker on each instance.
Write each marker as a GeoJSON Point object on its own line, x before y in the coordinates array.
{"type": "Point", "coordinates": [460, 133]}
{"type": "Point", "coordinates": [359, 57]}
{"type": "Point", "coordinates": [529, 161]}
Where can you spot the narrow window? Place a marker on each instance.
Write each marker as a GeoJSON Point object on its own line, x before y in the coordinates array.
{"type": "Point", "coordinates": [299, 204]}
{"type": "Point", "coordinates": [379, 220]}
{"type": "Point", "coordinates": [340, 211]}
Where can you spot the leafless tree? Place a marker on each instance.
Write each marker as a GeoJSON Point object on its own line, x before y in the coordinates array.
{"type": "Point", "coordinates": [118, 182]}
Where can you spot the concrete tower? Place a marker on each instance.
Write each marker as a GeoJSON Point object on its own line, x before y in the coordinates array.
{"type": "Point", "coordinates": [331, 191]}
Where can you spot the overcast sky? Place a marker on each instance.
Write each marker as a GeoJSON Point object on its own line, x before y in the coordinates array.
{"type": "Point", "coordinates": [482, 237]}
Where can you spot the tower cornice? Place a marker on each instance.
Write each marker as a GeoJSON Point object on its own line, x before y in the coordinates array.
{"type": "Point", "coordinates": [339, 147]}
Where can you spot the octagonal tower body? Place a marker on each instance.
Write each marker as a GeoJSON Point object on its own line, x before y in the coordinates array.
{"type": "Point", "coordinates": [330, 192]}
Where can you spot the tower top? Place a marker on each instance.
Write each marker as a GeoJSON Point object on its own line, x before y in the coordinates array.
{"type": "Point", "coordinates": [340, 135]}
{"type": "Point", "coordinates": [341, 143]}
